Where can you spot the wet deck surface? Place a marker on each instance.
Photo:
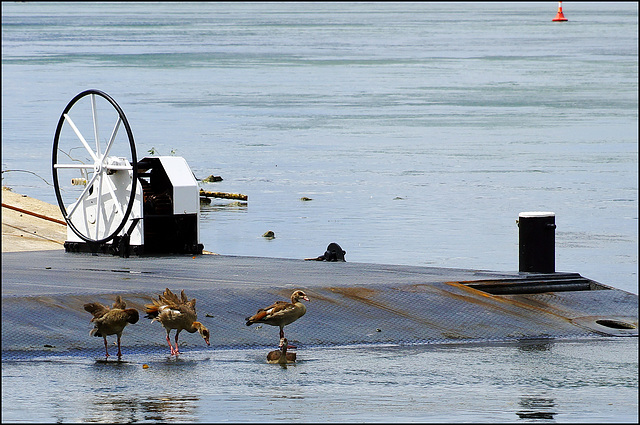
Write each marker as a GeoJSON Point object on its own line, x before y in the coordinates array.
{"type": "Point", "coordinates": [351, 303]}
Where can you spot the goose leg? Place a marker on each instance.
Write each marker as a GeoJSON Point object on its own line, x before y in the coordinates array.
{"type": "Point", "coordinates": [106, 350]}
{"type": "Point", "coordinates": [119, 352]}
{"type": "Point", "coordinates": [281, 332]}
{"type": "Point", "coordinates": [177, 351]}
{"type": "Point", "coordinates": [170, 346]}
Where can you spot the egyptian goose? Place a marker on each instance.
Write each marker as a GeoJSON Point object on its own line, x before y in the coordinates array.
{"type": "Point", "coordinates": [281, 356]}
{"type": "Point", "coordinates": [281, 313]}
{"type": "Point", "coordinates": [179, 314]}
{"type": "Point", "coordinates": [109, 321]}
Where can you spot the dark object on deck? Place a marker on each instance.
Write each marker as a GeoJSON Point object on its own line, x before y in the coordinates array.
{"type": "Point", "coordinates": [333, 253]}
{"type": "Point", "coordinates": [537, 242]}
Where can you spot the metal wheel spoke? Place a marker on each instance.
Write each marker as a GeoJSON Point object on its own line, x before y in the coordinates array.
{"type": "Point", "coordinates": [96, 133]}
{"type": "Point", "coordinates": [99, 205]}
{"type": "Point", "coordinates": [113, 137]}
{"type": "Point", "coordinates": [113, 196]}
{"type": "Point", "coordinates": [78, 166]}
{"type": "Point", "coordinates": [84, 142]}
{"type": "Point", "coordinates": [82, 195]}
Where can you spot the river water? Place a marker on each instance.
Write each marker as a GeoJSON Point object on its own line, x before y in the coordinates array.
{"type": "Point", "coordinates": [419, 131]}
{"type": "Point", "coordinates": [545, 382]}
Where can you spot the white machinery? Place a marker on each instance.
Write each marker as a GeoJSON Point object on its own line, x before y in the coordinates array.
{"type": "Point", "coordinates": [111, 201]}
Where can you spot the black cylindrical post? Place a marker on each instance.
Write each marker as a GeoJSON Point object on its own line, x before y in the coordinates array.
{"type": "Point", "coordinates": [537, 242]}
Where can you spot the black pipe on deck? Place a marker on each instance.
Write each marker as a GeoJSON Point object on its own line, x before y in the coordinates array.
{"type": "Point", "coordinates": [537, 242]}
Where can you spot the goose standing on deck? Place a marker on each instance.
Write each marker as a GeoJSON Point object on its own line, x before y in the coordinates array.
{"type": "Point", "coordinates": [281, 313]}
{"type": "Point", "coordinates": [176, 313]}
{"type": "Point", "coordinates": [110, 321]}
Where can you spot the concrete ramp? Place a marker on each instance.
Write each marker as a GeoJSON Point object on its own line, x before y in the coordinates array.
{"type": "Point", "coordinates": [351, 303]}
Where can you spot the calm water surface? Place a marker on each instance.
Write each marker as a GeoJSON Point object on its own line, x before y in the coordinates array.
{"type": "Point", "coordinates": [419, 130]}
{"type": "Point", "coordinates": [547, 382]}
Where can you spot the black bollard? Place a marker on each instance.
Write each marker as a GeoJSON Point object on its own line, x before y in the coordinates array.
{"type": "Point", "coordinates": [537, 242]}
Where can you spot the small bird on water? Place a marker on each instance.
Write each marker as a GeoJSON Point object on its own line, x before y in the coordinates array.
{"type": "Point", "coordinates": [110, 321]}
{"type": "Point", "coordinates": [282, 356]}
{"type": "Point", "coordinates": [176, 313]}
{"type": "Point", "coordinates": [281, 313]}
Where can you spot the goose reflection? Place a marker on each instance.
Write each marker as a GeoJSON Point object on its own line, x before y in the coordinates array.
{"type": "Point", "coordinates": [536, 408]}
{"type": "Point", "coordinates": [116, 408]}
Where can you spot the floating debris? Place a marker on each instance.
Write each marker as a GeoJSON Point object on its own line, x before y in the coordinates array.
{"type": "Point", "coordinates": [269, 234]}
{"type": "Point", "coordinates": [304, 198]}
{"type": "Point", "coordinates": [212, 179]}
{"type": "Point", "coordinates": [223, 195]}
{"type": "Point", "coordinates": [237, 204]}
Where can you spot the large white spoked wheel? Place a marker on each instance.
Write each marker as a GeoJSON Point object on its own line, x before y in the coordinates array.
{"type": "Point", "coordinates": [94, 174]}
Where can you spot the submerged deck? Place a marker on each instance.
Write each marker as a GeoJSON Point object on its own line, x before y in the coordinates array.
{"type": "Point", "coordinates": [351, 303]}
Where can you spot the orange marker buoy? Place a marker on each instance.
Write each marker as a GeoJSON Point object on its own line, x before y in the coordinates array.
{"type": "Point", "coordinates": [559, 16]}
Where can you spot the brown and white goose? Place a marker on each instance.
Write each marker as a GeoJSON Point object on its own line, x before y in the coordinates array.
{"type": "Point", "coordinates": [282, 356]}
{"type": "Point", "coordinates": [110, 321]}
{"type": "Point", "coordinates": [281, 313]}
{"type": "Point", "coordinates": [176, 313]}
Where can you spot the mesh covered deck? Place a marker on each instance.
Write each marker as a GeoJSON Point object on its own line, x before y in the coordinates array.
{"type": "Point", "coordinates": [43, 294]}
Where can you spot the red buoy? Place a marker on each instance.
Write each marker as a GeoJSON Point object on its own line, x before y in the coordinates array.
{"type": "Point", "coordinates": [559, 16]}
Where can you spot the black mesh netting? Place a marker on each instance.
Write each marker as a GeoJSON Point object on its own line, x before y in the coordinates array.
{"type": "Point", "coordinates": [350, 304]}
